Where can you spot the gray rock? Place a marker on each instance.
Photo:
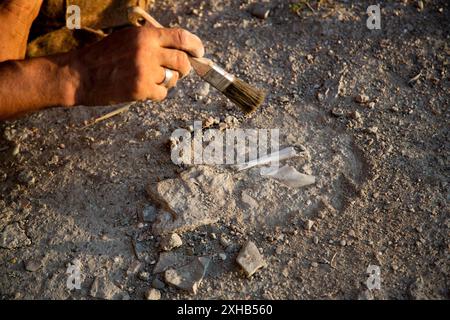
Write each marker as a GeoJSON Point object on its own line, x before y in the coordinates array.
{"type": "Point", "coordinates": [168, 260]}
{"type": "Point", "coordinates": [259, 10]}
{"type": "Point", "coordinates": [200, 196]}
{"type": "Point", "coordinates": [140, 250]}
{"type": "Point", "coordinates": [13, 237]}
{"type": "Point", "coordinates": [153, 294]}
{"type": "Point", "coordinates": [169, 242]}
{"type": "Point", "coordinates": [190, 276]}
{"type": "Point", "coordinates": [103, 288]}
{"type": "Point", "coordinates": [250, 259]}
{"type": "Point", "coordinates": [158, 284]}
{"type": "Point", "coordinates": [33, 265]}
{"type": "Point", "coordinates": [134, 268]}
{"type": "Point", "coordinates": [202, 90]}
{"type": "Point", "coordinates": [279, 250]}
{"type": "Point", "coordinates": [249, 201]}
{"type": "Point", "coordinates": [149, 214]}
{"type": "Point", "coordinates": [250, 42]}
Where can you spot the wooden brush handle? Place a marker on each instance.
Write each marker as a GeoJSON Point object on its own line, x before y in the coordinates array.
{"type": "Point", "coordinates": [134, 13]}
{"type": "Point", "coordinates": [200, 65]}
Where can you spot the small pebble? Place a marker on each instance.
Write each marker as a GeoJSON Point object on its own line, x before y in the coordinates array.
{"type": "Point", "coordinates": [32, 265]}
{"type": "Point", "coordinates": [144, 276]}
{"type": "Point", "coordinates": [209, 122]}
{"type": "Point", "coordinates": [259, 10]}
{"type": "Point", "coordinates": [158, 284]}
{"type": "Point", "coordinates": [224, 241]}
{"type": "Point", "coordinates": [170, 242]}
{"type": "Point", "coordinates": [149, 214]}
{"type": "Point", "coordinates": [26, 177]}
{"type": "Point", "coordinates": [309, 224]}
{"type": "Point", "coordinates": [337, 112]}
{"type": "Point", "coordinates": [356, 115]}
{"type": "Point", "coordinates": [16, 150]}
{"type": "Point", "coordinates": [420, 5]}
{"type": "Point", "coordinates": [373, 130]}
{"type": "Point", "coordinates": [203, 89]}
{"type": "Point", "coordinates": [153, 294]}
{"type": "Point", "coordinates": [250, 259]}
{"type": "Point", "coordinates": [279, 250]}
{"type": "Point", "coordinates": [362, 98]}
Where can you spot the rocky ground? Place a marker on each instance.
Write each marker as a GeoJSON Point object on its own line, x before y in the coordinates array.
{"type": "Point", "coordinates": [368, 109]}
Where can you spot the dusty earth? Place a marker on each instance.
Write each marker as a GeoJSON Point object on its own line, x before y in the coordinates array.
{"type": "Point", "coordinates": [70, 193]}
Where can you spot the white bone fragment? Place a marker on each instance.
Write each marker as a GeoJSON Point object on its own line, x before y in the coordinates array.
{"type": "Point", "coordinates": [284, 154]}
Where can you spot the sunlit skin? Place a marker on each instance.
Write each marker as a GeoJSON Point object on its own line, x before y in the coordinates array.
{"type": "Point", "coordinates": [126, 66]}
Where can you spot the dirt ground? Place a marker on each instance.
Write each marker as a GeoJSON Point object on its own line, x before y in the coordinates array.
{"type": "Point", "coordinates": [382, 166]}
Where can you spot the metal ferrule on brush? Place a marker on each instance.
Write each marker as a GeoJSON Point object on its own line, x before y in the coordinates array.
{"type": "Point", "coordinates": [218, 78]}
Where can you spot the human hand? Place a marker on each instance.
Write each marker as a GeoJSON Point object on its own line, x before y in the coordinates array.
{"type": "Point", "coordinates": [130, 64]}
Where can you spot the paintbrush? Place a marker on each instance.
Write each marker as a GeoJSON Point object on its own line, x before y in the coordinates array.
{"type": "Point", "coordinates": [245, 96]}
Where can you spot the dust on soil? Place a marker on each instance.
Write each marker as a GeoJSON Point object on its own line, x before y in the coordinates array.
{"type": "Point", "coordinates": [381, 196]}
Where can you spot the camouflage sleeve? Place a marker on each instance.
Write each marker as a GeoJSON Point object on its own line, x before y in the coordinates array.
{"type": "Point", "coordinates": [49, 35]}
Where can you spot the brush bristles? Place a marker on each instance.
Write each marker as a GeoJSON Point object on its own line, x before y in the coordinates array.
{"type": "Point", "coordinates": [245, 96]}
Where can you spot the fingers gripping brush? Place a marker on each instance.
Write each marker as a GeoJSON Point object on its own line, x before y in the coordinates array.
{"type": "Point", "coordinates": [242, 94]}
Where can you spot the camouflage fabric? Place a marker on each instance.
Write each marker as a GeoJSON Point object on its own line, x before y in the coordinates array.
{"type": "Point", "coordinates": [49, 34]}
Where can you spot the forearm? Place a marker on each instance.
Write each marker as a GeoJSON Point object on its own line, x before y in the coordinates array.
{"type": "Point", "coordinates": [128, 65]}
{"type": "Point", "coordinates": [35, 84]}
{"type": "Point", "coordinates": [16, 18]}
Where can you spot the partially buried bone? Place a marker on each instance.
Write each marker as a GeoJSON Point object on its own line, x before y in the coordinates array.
{"type": "Point", "coordinates": [284, 154]}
